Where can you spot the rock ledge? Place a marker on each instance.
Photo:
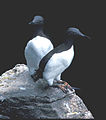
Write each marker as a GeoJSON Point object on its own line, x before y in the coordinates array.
{"type": "Point", "coordinates": [21, 98]}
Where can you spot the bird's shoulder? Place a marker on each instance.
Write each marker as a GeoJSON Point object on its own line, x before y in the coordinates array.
{"type": "Point", "coordinates": [63, 56]}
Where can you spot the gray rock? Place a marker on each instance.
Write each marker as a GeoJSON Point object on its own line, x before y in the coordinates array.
{"type": "Point", "coordinates": [22, 98]}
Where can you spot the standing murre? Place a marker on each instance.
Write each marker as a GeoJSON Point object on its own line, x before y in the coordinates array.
{"type": "Point", "coordinates": [59, 59]}
{"type": "Point", "coordinates": [38, 47]}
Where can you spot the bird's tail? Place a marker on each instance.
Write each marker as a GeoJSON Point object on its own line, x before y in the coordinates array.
{"type": "Point", "coordinates": [75, 88]}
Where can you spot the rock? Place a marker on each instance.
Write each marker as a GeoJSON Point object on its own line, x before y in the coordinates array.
{"type": "Point", "coordinates": [22, 98]}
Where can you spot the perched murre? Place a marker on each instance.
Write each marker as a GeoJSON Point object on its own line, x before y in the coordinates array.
{"type": "Point", "coordinates": [38, 47]}
{"type": "Point", "coordinates": [56, 61]}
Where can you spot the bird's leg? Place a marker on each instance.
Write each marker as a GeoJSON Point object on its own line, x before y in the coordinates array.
{"type": "Point", "coordinates": [66, 85]}
{"type": "Point", "coordinates": [62, 87]}
{"type": "Point", "coordinates": [60, 81]}
{"type": "Point", "coordinates": [35, 76]}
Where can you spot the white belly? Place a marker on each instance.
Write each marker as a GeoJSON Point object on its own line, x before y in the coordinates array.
{"type": "Point", "coordinates": [35, 50]}
{"type": "Point", "coordinates": [58, 63]}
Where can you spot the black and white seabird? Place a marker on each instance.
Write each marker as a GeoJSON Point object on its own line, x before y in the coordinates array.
{"type": "Point", "coordinates": [38, 47]}
{"type": "Point", "coordinates": [59, 59]}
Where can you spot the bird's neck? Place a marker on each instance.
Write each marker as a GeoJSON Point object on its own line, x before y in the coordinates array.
{"type": "Point", "coordinates": [68, 42]}
{"type": "Point", "coordinates": [38, 31]}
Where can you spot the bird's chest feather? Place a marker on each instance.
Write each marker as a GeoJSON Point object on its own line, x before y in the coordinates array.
{"type": "Point", "coordinates": [66, 57]}
{"type": "Point", "coordinates": [40, 45]}
{"type": "Point", "coordinates": [62, 59]}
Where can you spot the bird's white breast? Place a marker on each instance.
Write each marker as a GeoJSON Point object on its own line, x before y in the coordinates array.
{"type": "Point", "coordinates": [60, 61]}
{"type": "Point", "coordinates": [35, 50]}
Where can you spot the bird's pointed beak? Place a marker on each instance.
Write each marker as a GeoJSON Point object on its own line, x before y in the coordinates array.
{"type": "Point", "coordinates": [31, 23]}
{"type": "Point", "coordinates": [87, 37]}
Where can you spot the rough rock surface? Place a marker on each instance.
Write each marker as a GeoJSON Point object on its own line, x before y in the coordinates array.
{"type": "Point", "coordinates": [23, 99]}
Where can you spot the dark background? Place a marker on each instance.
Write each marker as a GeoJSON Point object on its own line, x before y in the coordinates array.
{"type": "Point", "coordinates": [86, 71]}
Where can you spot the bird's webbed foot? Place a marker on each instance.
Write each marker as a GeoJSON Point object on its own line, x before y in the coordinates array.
{"type": "Point", "coordinates": [64, 86]}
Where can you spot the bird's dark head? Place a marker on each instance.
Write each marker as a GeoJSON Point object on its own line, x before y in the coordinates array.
{"type": "Point", "coordinates": [38, 20]}
{"type": "Point", "coordinates": [75, 34]}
